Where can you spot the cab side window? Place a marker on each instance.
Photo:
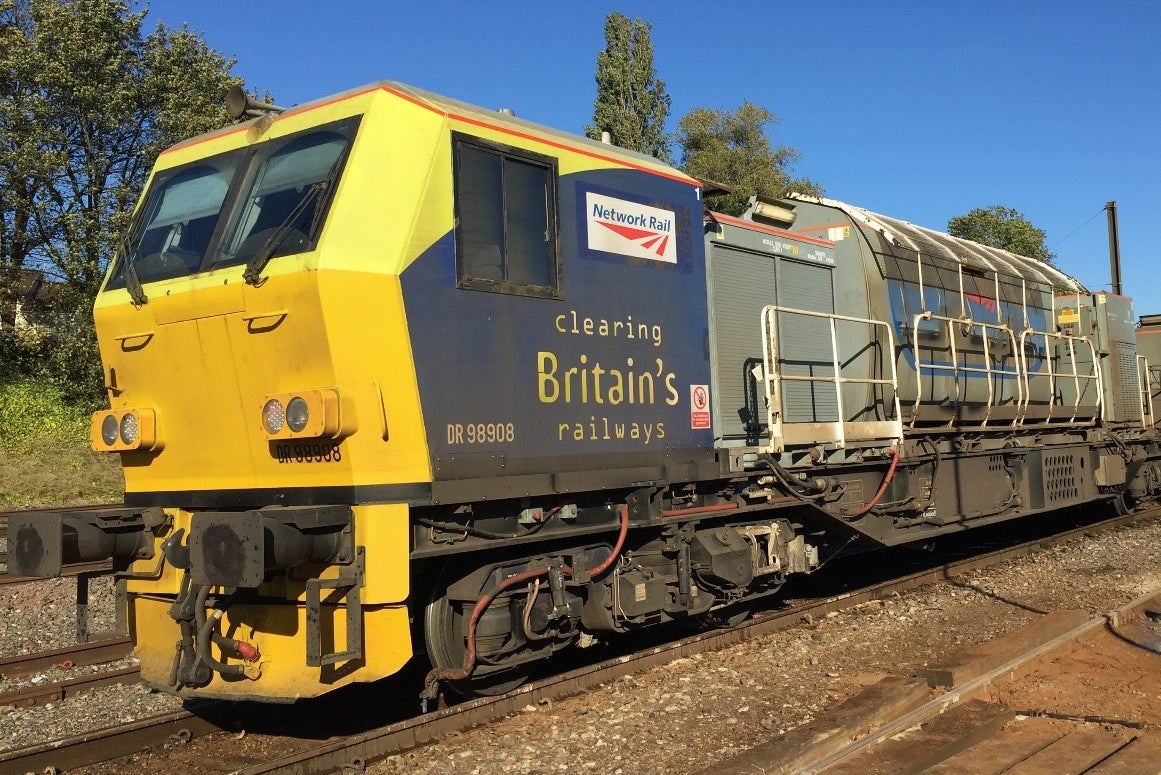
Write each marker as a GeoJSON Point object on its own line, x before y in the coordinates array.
{"type": "Point", "coordinates": [506, 227]}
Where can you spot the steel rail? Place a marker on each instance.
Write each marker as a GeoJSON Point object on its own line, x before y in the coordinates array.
{"type": "Point", "coordinates": [6, 513]}
{"type": "Point", "coordinates": [80, 655]}
{"type": "Point", "coordinates": [100, 745]}
{"type": "Point", "coordinates": [63, 690]}
{"type": "Point", "coordinates": [356, 751]}
{"type": "Point", "coordinates": [74, 569]}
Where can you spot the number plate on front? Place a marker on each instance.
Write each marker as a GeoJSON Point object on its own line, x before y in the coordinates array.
{"type": "Point", "coordinates": [308, 452]}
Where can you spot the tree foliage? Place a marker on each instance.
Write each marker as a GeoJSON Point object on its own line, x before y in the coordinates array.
{"type": "Point", "coordinates": [732, 147]}
{"type": "Point", "coordinates": [87, 101]}
{"type": "Point", "coordinates": [1002, 227]}
{"type": "Point", "coordinates": [632, 103]}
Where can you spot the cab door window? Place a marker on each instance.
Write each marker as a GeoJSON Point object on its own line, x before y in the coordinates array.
{"type": "Point", "coordinates": [506, 227]}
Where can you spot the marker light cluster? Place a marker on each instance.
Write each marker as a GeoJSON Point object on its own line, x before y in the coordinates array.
{"type": "Point", "coordinates": [304, 414]}
{"type": "Point", "coordinates": [122, 430]}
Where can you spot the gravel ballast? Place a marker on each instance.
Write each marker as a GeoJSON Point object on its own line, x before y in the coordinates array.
{"type": "Point", "coordinates": [694, 712]}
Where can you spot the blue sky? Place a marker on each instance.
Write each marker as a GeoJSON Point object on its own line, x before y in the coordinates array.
{"type": "Point", "coordinates": [918, 110]}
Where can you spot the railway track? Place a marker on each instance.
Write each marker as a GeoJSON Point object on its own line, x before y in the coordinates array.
{"type": "Point", "coordinates": [67, 571]}
{"type": "Point", "coordinates": [81, 655]}
{"type": "Point", "coordinates": [356, 750]}
{"type": "Point", "coordinates": [63, 690]}
{"type": "Point", "coordinates": [6, 513]}
{"type": "Point", "coordinates": [1090, 721]}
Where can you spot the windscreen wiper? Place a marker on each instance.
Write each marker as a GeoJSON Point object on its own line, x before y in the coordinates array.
{"type": "Point", "coordinates": [257, 262]}
{"type": "Point", "coordinates": [132, 281]}
{"type": "Point", "coordinates": [262, 256]}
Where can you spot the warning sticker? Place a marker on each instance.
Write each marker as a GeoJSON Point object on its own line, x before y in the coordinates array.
{"type": "Point", "coordinates": [699, 416]}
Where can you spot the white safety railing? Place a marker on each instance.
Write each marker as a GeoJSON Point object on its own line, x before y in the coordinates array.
{"type": "Point", "coordinates": [1070, 344]}
{"type": "Point", "coordinates": [990, 373]}
{"type": "Point", "coordinates": [1145, 380]}
{"type": "Point", "coordinates": [838, 432]}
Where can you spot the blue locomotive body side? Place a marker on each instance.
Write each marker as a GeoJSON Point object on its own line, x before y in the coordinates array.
{"type": "Point", "coordinates": [617, 364]}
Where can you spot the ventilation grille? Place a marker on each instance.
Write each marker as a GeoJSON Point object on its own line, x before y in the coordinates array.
{"type": "Point", "coordinates": [1061, 482]}
{"type": "Point", "coordinates": [1129, 397]}
{"type": "Point", "coordinates": [995, 463]}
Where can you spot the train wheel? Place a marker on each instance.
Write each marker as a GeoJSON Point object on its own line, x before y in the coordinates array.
{"type": "Point", "coordinates": [724, 618]}
{"type": "Point", "coordinates": [727, 617]}
{"type": "Point", "coordinates": [444, 631]}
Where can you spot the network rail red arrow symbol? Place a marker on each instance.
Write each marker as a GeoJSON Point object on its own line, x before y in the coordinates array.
{"type": "Point", "coordinates": [643, 237]}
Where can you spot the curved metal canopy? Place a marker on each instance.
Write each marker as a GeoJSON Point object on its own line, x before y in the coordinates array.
{"type": "Point", "coordinates": [964, 252]}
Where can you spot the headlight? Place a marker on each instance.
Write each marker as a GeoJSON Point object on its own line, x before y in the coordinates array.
{"type": "Point", "coordinates": [317, 413]}
{"type": "Point", "coordinates": [129, 429]}
{"type": "Point", "coordinates": [273, 416]}
{"type": "Point", "coordinates": [297, 414]}
{"type": "Point", "coordinates": [109, 430]}
{"type": "Point", "coordinates": [125, 430]}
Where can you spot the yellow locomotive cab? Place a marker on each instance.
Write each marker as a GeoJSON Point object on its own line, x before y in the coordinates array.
{"type": "Point", "coordinates": [278, 380]}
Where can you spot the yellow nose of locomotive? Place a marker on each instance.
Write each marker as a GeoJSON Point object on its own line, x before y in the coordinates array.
{"type": "Point", "coordinates": [262, 390]}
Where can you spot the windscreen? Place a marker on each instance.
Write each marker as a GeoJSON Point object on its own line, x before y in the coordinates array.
{"type": "Point", "coordinates": [284, 197]}
{"type": "Point", "coordinates": [179, 215]}
{"type": "Point", "coordinates": [271, 198]}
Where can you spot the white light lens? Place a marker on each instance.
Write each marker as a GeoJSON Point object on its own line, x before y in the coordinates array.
{"type": "Point", "coordinates": [129, 428]}
{"type": "Point", "coordinates": [273, 416]}
{"type": "Point", "coordinates": [297, 414]}
{"type": "Point", "coordinates": [109, 430]}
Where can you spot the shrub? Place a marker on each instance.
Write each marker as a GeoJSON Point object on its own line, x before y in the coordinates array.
{"type": "Point", "coordinates": [72, 361]}
{"type": "Point", "coordinates": [33, 412]}
{"type": "Point", "coordinates": [61, 350]}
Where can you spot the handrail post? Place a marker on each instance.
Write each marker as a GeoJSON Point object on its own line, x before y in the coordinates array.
{"type": "Point", "coordinates": [1019, 379]}
{"type": "Point", "coordinates": [1025, 374]}
{"type": "Point", "coordinates": [1050, 354]}
{"type": "Point", "coordinates": [1075, 380]}
{"type": "Point", "coordinates": [954, 358]}
{"type": "Point", "coordinates": [918, 368]}
{"type": "Point", "coordinates": [989, 375]}
{"type": "Point", "coordinates": [838, 388]}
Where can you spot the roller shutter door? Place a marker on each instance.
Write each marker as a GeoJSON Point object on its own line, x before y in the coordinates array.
{"type": "Point", "coordinates": [804, 343]}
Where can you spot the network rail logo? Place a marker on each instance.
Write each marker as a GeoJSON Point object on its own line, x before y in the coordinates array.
{"type": "Point", "coordinates": [630, 229]}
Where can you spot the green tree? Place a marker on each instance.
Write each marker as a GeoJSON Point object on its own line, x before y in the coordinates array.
{"type": "Point", "coordinates": [632, 103]}
{"type": "Point", "coordinates": [87, 101]}
{"type": "Point", "coordinates": [1002, 227]}
{"type": "Point", "coordinates": [732, 147]}
{"type": "Point", "coordinates": [22, 167]}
